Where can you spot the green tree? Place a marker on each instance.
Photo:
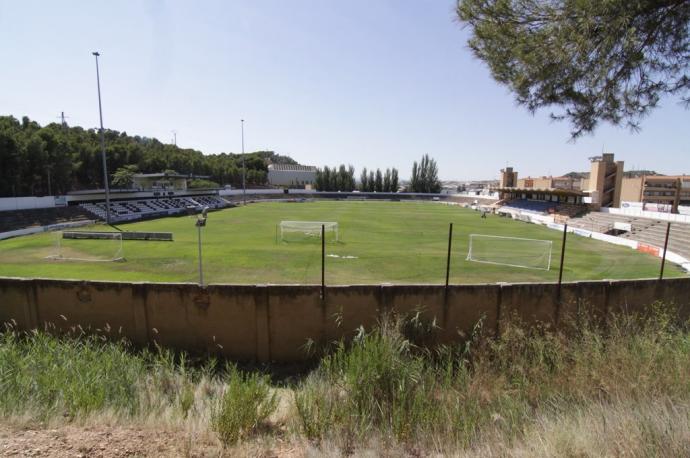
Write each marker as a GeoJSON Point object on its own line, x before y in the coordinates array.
{"type": "Point", "coordinates": [378, 183]}
{"type": "Point", "coordinates": [394, 180]}
{"type": "Point", "coordinates": [387, 181]}
{"type": "Point", "coordinates": [364, 180]}
{"type": "Point", "coordinates": [425, 176]}
{"type": "Point", "coordinates": [351, 184]}
{"type": "Point", "coordinates": [200, 183]}
{"type": "Point", "coordinates": [124, 176]}
{"type": "Point", "coordinates": [594, 60]}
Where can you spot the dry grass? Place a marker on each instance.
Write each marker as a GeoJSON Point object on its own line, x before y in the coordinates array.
{"type": "Point", "coordinates": [621, 388]}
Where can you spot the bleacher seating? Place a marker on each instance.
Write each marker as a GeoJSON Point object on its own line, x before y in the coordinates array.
{"type": "Point", "coordinates": [537, 206]}
{"type": "Point", "coordinates": [655, 234]}
{"type": "Point", "coordinates": [127, 210]}
{"type": "Point", "coordinates": [645, 230]}
{"type": "Point", "coordinates": [13, 220]}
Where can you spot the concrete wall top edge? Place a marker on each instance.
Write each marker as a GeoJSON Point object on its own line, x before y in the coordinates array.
{"type": "Point", "coordinates": [310, 288]}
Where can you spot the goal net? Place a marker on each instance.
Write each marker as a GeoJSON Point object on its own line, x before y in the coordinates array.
{"type": "Point", "coordinates": [292, 231]}
{"type": "Point", "coordinates": [88, 246]}
{"type": "Point", "coordinates": [510, 251]}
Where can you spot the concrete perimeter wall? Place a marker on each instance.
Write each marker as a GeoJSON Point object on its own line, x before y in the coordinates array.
{"type": "Point", "coordinates": [273, 323]}
{"type": "Point", "coordinates": [25, 203]}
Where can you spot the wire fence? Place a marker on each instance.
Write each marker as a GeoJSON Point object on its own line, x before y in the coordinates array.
{"type": "Point", "coordinates": [416, 253]}
{"type": "Point", "coordinates": [446, 257]}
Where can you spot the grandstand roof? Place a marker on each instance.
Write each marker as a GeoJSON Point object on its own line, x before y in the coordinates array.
{"type": "Point", "coordinates": [167, 175]}
{"type": "Point", "coordinates": [555, 191]}
{"type": "Point", "coordinates": [292, 168]}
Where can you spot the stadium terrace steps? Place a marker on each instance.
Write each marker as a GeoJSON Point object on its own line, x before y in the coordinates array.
{"type": "Point", "coordinates": [128, 210]}
{"type": "Point", "coordinates": [645, 230]}
{"type": "Point", "coordinates": [21, 219]}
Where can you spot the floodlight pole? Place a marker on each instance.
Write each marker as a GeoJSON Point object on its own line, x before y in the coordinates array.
{"type": "Point", "coordinates": [663, 256]}
{"type": "Point", "coordinates": [244, 187]}
{"type": "Point", "coordinates": [105, 165]}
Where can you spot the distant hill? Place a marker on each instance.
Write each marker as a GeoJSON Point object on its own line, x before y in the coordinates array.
{"type": "Point", "coordinates": [577, 175]}
{"type": "Point", "coordinates": [55, 159]}
{"type": "Point", "coordinates": [272, 157]}
{"type": "Point", "coordinates": [626, 174]}
{"type": "Point", "coordinates": [639, 173]}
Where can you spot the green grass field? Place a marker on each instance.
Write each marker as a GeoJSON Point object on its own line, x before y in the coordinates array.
{"type": "Point", "coordinates": [393, 242]}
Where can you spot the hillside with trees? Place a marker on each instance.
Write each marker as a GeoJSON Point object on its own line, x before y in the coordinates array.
{"type": "Point", "coordinates": [55, 159]}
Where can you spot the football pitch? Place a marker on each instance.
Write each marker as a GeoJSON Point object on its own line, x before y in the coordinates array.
{"type": "Point", "coordinates": [380, 242]}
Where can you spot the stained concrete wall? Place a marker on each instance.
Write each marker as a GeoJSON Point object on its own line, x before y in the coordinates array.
{"type": "Point", "coordinates": [273, 323]}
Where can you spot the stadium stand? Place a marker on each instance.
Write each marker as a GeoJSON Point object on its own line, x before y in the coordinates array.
{"type": "Point", "coordinates": [21, 219]}
{"type": "Point", "coordinates": [655, 233]}
{"type": "Point", "coordinates": [644, 230]}
{"type": "Point", "coordinates": [543, 207]}
{"type": "Point", "coordinates": [128, 210]}
{"type": "Point", "coordinates": [537, 206]}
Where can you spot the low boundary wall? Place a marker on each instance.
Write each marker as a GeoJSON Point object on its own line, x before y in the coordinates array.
{"type": "Point", "coordinates": [52, 227]}
{"type": "Point", "coordinates": [134, 235]}
{"type": "Point", "coordinates": [273, 323]}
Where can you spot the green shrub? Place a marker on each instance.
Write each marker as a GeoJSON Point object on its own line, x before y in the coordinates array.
{"type": "Point", "coordinates": [43, 375]}
{"type": "Point", "coordinates": [245, 405]}
{"type": "Point", "coordinates": [378, 382]}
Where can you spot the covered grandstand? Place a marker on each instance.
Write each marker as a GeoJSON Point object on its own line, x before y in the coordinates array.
{"type": "Point", "coordinates": [128, 210]}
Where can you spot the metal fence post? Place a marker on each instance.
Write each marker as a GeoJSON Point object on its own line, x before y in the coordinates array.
{"type": "Point", "coordinates": [323, 261]}
{"type": "Point", "coordinates": [450, 241]}
{"type": "Point", "coordinates": [560, 276]}
{"type": "Point", "coordinates": [201, 268]}
{"type": "Point", "coordinates": [560, 270]}
{"type": "Point", "coordinates": [663, 256]}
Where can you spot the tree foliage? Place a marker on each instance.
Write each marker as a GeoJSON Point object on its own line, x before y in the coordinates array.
{"type": "Point", "coordinates": [124, 176]}
{"type": "Point", "coordinates": [595, 60]}
{"type": "Point", "coordinates": [378, 181]}
{"type": "Point", "coordinates": [339, 178]}
{"type": "Point", "coordinates": [425, 176]}
{"type": "Point", "coordinates": [394, 180]}
{"type": "Point", "coordinates": [342, 178]}
{"type": "Point", "coordinates": [37, 160]}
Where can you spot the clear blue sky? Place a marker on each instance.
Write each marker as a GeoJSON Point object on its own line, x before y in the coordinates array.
{"type": "Point", "coordinates": [373, 83]}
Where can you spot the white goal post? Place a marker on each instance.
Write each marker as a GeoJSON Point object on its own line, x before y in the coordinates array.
{"type": "Point", "coordinates": [310, 229]}
{"type": "Point", "coordinates": [510, 251]}
{"type": "Point", "coordinates": [87, 246]}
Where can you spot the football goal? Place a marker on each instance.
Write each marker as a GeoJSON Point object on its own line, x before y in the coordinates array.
{"type": "Point", "coordinates": [293, 231]}
{"type": "Point", "coordinates": [510, 251]}
{"type": "Point", "coordinates": [88, 246]}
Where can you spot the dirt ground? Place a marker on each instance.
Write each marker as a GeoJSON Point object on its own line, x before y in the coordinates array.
{"type": "Point", "coordinates": [119, 441]}
{"type": "Point", "coordinates": [73, 441]}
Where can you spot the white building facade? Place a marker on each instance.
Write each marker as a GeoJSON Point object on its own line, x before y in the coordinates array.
{"type": "Point", "coordinates": [291, 175]}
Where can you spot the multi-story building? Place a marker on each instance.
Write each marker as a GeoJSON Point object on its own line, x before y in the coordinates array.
{"type": "Point", "coordinates": [605, 181]}
{"type": "Point", "coordinates": [605, 187]}
{"type": "Point", "coordinates": [291, 175]}
{"type": "Point", "coordinates": [548, 183]}
{"type": "Point", "coordinates": [509, 178]}
{"type": "Point", "coordinates": [665, 193]}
